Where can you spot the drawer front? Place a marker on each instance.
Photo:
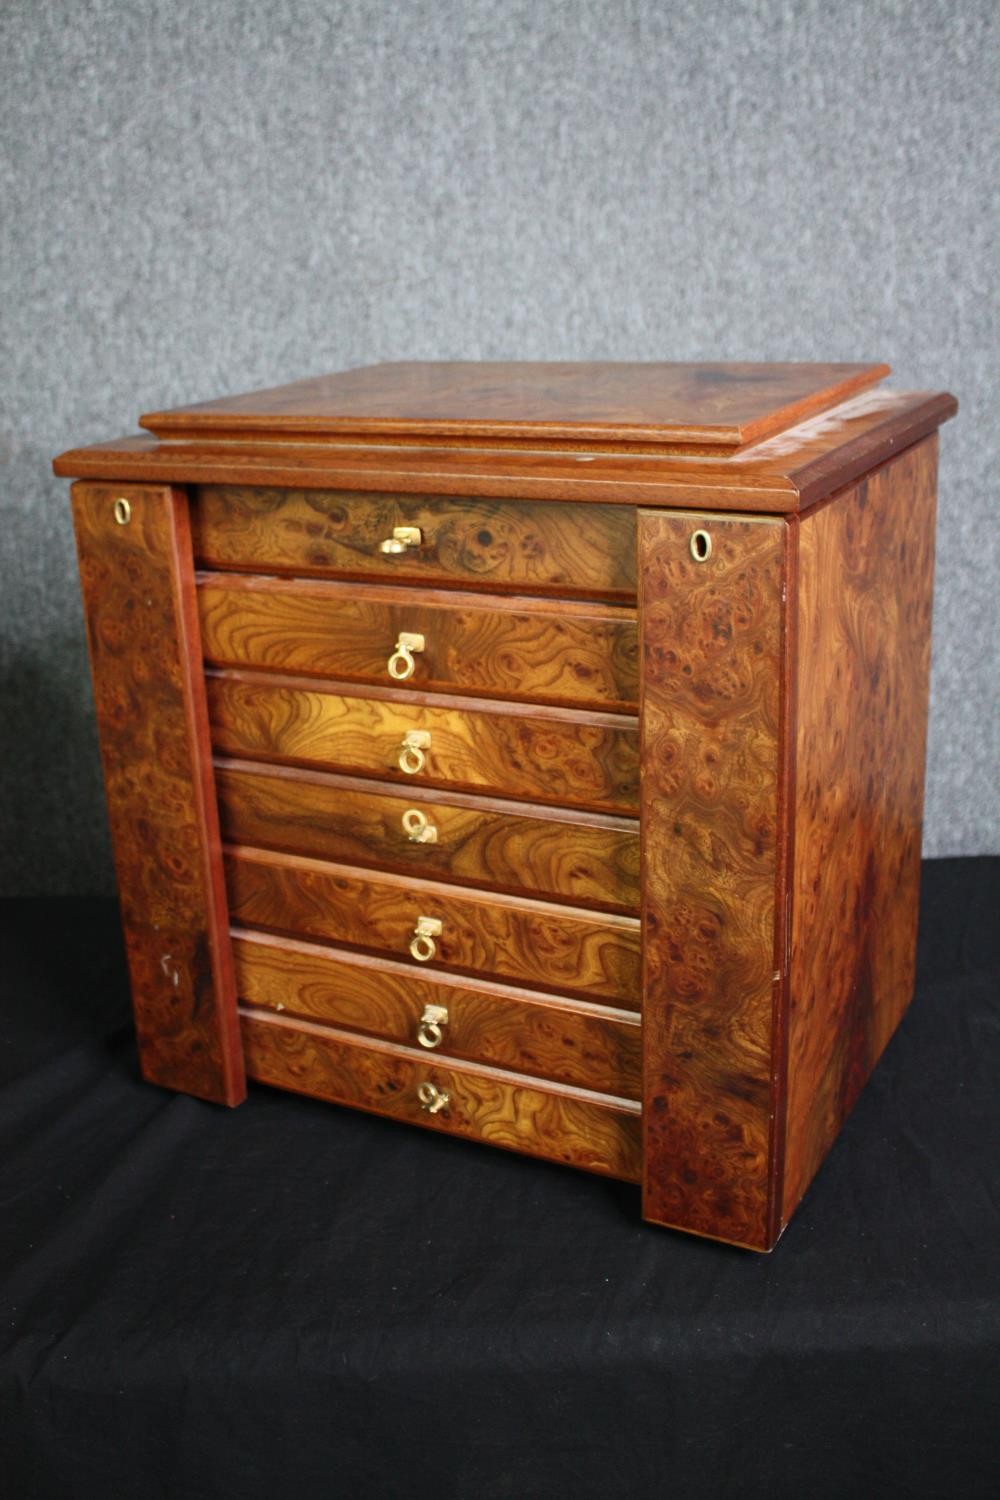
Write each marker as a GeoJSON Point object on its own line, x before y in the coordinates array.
{"type": "Point", "coordinates": [595, 955]}
{"type": "Point", "coordinates": [556, 756]}
{"type": "Point", "coordinates": [583, 656]}
{"type": "Point", "coordinates": [587, 1046]}
{"type": "Point", "coordinates": [595, 1132]}
{"type": "Point", "coordinates": [580, 858]}
{"type": "Point", "coordinates": [586, 551]}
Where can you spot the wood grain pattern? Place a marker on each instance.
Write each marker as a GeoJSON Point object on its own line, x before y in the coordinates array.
{"type": "Point", "coordinates": [564, 1125]}
{"type": "Point", "coordinates": [663, 404]}
{"type": "Point", "coordinates": [591, 1046]}
{"type": "Point", "coordinates": [865, 580]}
{"type": "Point", "coordinates": [781, 475]}
{"type": "Point", "coordinates": [712, 654]}
{"type": "Point", "coordinates": [487, 544]}
{"type": "Point", "coordinates": [596, 955]}
{"type": "Point", "coordinates": [551, 755]}
{"type": "Point", "coordinates": [138, 592]}
{"type": "Point", "coordinates": [562, 652]}
{"type": "Point", "coordinates": [588, 859]}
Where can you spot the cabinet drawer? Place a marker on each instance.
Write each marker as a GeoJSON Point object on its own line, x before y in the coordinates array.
{"type": "Point", "coordinates": [585, 551]}
{"type": "Point", "coordinates": [552, 755]}
{"type": "Point", "coordinates": [593, 954]}
{"type": "Point", "coordinates": [581, 858]}
{"type": "Point", "coordinates": [590, 1046]}
{"type": "Point", "coordinates": [583, 656]}
{"type": "Point", "coordinates": [592, 1131]}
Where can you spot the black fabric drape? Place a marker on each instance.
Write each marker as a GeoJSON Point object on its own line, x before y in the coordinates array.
{"type": "Point", "coordinates": [293, 1299]}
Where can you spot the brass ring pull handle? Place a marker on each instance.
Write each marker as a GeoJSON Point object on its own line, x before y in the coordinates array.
{"type": "Point", "coordinates": [429, 1032]}
{"type": "Point", "coordinates": [433, 1099]}
{"type": "Point", "coordinates": [418, 827]}
{"type": "Point", "coordinates": [401, 663]}
{"type": "Point", "coordinates": [411, 752]}
{"type": "Point", "coordinates": [403, 537]}
{"type": "Point", "coordinates": [422, 944]}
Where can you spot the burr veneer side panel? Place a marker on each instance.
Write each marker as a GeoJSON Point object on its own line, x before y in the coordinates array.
{"type": "Point", "coordinates": [866, 564]}
{"type": "Point", "coordinates": [712, 653]}
{"type": "Point", "coordinates": [138, 592]}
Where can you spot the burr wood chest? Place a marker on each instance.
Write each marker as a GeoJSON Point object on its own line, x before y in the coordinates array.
{"type": "Point", "coordinates": [529, 752]}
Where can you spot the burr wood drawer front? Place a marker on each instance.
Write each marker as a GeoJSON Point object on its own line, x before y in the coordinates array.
{"type": "Point", "coordinates": [559, 756]}
{"type": "Point", "coordinates": [585, 1045]}
{"type": "Point", "coordinates": [589, 859]}
{"type": "Point", "coordinates": [575, 550]}
{"type": "Point", "coordinates": [597, 1132]}
{"type": "Point", "coordinates": [595, 955]}
{"type": "Point", "coordinates": [547, 651]}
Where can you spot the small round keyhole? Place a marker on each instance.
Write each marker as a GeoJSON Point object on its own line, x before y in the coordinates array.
{"type": "Point", "coordinates": [123, 511]}
{"type": "Point", "coordinates": [701, 546]}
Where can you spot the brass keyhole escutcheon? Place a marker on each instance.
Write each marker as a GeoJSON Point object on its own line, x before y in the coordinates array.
{"type": "Point", "coordinates": [701, 545]}
{"type": "Point", "coordinates": [433, 1099]}
{"type": "Point", "coordinates": [429, 1032]}
{"type": "Point", "coordinates": [418, 827]}
{"type": "Point", "coordinates": [422, 944]}
{"type": "Point", "coordinates": [122, 511]}
{"type": "Point", "coordinates": [402, 539]}
{"type": "Point", "coordinates": [411, 757]}
{"type": "Point", "coordinates": [401, 663]}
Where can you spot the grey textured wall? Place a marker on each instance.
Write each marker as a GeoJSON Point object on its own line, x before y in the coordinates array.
{"type": "Point", "coordinates": [202, 197]}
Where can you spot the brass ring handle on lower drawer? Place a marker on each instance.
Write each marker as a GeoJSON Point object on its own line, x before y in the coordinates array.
{"type": "Point", "coordinates": [401, 663]}
{"type": "Point", "coordinates": [403, 537]}
{"type": "Point", "coordinates": [418, 827]}
{"type": "Point", "coordinates": [429, 1031]}
{"type": "Point", "coordinates": [433, 1099]}
{"type": "Point", "coordinates": [411, 758]}
{"type": "Point", "coordinates": [422, 944]}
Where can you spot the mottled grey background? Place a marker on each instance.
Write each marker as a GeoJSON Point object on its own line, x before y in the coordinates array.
{"type": "Point", "coordinates": [197, 198]}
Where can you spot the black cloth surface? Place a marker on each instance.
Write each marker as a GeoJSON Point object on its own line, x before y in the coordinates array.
{"type": "Point", "coordinates": [289, 1298]}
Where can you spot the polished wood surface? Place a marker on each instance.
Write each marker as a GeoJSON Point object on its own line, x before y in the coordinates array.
{"type": "Point", "coordinates": [535, 943]}
{"type": "Point", "coordinates": [142, 630]}
{"type": "Point", "coordinates": [668, 404]}
{"type": "Point", "coordinates": [565, 1125]}
{"type": "Point", "coordinates": [578, 655]}
{"type": "Point", "coordinates": [584, 859]}
{"type": "Point", "coordinates": [786, 473]}
{"type": "Point", "coordinates": [864, 614]}
{"type": "Point", "coordinates": [545, 755]}
{"type": "Point", "coordinates": [664, 806]}
{"type": "Point", "coordinates": [590, 1046]}
{"type": "Point", "coordinates": [711, 740]}
{"type": "Point", "coordinates": [472, 544]}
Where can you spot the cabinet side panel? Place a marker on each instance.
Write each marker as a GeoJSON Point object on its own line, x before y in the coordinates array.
{"type": "Point", "coordinates": [138, 592]}
{"type": "Point", "coordinates": [864, 614]}
{"type": "Point", "coordinates": [712, 655]}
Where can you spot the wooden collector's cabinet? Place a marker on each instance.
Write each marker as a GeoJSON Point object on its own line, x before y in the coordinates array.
{"type": "Point", "coordinates": [534, 753]}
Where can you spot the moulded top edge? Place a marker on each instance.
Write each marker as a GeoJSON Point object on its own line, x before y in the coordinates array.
{"type": "Point", "coordinates": [665, 407]}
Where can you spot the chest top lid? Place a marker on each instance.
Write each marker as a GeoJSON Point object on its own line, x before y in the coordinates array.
{"type": "Point", "coordinates": [661, 407]}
